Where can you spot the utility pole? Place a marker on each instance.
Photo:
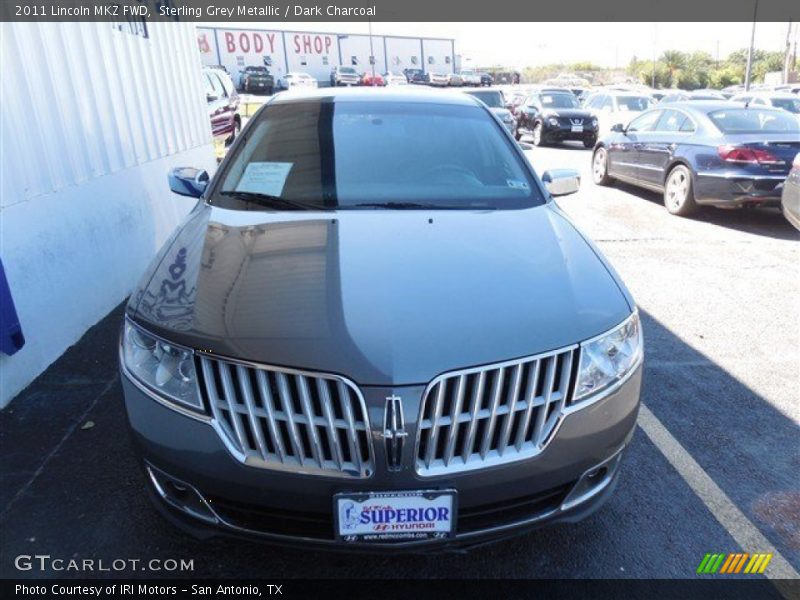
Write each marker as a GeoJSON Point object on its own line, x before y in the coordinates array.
{"type": "Point", "coordinates": [749, 70]}
{"type": "Point", "coordinates": [788, 53]}
{"type": "Point", "coordinates": [653, 77]}
{"type": "Point", "coordinates": [371, 51]}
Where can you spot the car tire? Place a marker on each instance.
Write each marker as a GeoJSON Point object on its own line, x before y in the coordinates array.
{"type": "Point", "coordinates": [589, 142]}
{"type": "Point", "coordinates": [600, 167]}
{"type": "Point", "coordinates": [538, 136]}
{"type": "Point", "coordinates": [678, 192]}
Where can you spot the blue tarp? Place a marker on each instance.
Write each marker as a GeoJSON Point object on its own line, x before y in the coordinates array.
{"type": "Point", "coordinates": [11, 338]}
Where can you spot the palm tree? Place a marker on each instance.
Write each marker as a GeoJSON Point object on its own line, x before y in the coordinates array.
{"type": "Point", "coordinates": [673, 60]}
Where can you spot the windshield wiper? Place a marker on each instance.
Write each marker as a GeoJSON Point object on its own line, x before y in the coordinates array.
{"type": "Point", "coordinates": [414, 205]}
{"type": "Point", "coordinates": [270, 201]}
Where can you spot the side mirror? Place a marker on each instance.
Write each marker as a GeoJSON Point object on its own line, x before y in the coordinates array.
{"type": "Point", "coordinates": [188, 181]}
{"type": "Point", "coordinates": [211, 97]}
{"type": "Point", "coordinates": [561, 182]}
{"type": "Point", "coordinates": [618, 128]}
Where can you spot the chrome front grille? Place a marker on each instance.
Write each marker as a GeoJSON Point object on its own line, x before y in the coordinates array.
{"type": "Point", "coordinates": [480, 417]}
{"type": "Point", "coordinates": [278, 418]}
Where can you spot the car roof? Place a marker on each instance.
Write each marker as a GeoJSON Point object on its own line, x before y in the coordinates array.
{"type": "Point", "coordinates": [706, 106]}
{"type": "Point", "coordinates": [369, 94]}
{"type": "Point", "coordinates": [768, 94]}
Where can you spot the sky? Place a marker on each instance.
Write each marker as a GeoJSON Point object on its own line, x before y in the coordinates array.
{"type": "Point", "coordinates": [531, 44]}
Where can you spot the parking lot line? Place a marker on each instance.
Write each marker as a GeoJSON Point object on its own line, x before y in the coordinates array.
{"type": "Point", "coordinates": [741, 529]}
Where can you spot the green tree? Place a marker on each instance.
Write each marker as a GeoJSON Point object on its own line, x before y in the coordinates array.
{"type": "Point", "coordinates": [674, 61]}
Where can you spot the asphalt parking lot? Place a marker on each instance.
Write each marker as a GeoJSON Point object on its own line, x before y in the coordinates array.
{"type": "Point", "coordinates": [712, 467]}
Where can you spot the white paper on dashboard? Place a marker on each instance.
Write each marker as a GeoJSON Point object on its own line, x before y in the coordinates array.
{"type": "Point", "coordinates": [264, 178]}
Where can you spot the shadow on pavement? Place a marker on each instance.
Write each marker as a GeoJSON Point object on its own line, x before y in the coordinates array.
{"type": "Point", "coordinates": [767, 222]}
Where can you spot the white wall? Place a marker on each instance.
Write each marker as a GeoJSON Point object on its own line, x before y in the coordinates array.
{"type": "Point", "coordinates": [403, 53]}
{"type": "Point", "coordinates": [441, 52]}
{"type": "Point", "coordinates": [90, 123]}
{"type": "Point", "coordinates": [358, 46]}
{"type": "Point", "coordinates": [312, 53]}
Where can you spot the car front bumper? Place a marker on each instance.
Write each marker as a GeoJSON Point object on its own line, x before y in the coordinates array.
{"type": "Point", "coordinates": [201, 487]}
{"type": "Point", "coordinates": [738, 188]}
{"type": "Point", "coordinates": [563, 134]}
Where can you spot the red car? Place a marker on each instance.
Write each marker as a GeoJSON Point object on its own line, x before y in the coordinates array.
{"type": "Point", "coordinates": [373, 80]}
{"type": "Point", "coordinates": [223, 105]}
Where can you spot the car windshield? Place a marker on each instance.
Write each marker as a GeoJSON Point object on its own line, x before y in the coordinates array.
{"type": "Point", "coordinates": [373, 155]}
{"type": "Point", "coordinates": [754, 120]}
{"type": "Point", "coordinates": [348, 70]}
{"type": "Point", "coordinates": [490, 99]}
{"type": "Point", "coordinates": [790, 104]}
{"type": "Point", "coordinates": [633, 103]}
{"type": "Point", "coordinates": [256, 69]}
{"type": "Point", "coordinates": [559, 101]}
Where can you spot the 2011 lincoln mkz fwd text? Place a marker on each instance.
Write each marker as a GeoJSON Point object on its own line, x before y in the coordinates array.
{"type": "Point", "coordinates": [377, 330]}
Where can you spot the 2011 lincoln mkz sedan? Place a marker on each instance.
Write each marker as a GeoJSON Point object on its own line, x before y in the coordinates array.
{"type": "Point", "coordinates": [376, 329]}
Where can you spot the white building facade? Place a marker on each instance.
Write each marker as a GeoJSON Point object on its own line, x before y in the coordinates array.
{"type": "Point", "coordinates": [90, 124]}
{"type": "Point", "coordinates": [316, 53]}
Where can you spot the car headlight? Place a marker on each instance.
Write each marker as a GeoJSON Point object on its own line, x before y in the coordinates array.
{"type": "Point", "coordinates": [594, 122]}
{"type": "Point", "coordinates": [609, 358]}
{"type": "Point", "coordinates": [553, 121]}
{"type": "Point", "coordinates": [166, 369]}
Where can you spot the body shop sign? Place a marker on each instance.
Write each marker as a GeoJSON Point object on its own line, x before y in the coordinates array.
{"type": "Point", "coordinates": [264, 42]}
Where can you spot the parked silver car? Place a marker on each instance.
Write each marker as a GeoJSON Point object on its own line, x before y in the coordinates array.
{"type": "Point", "coordinates": [421, 353]}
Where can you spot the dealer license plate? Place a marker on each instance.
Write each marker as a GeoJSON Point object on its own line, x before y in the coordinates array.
{"type": "Point", "coordinates": [577, 129]}
{"type": "Point", "coordinates": [395, 516]}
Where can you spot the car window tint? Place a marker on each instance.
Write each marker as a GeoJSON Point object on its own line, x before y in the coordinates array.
{"type": "Point", "coordinates": [754, 120]}
{"type": "Point", "coordinates": [671, 120]}
{"type": "Point", "coordinates": [435, 154]}
{"type": "Point", "coordinates": [559, 101]}
{"type": "Point", "coordinates": [491, 99]}
{"type": "Point", "coordinates": [633, 103]}
{"type": "Point", "coordinates": [216, 86]}
{"type": "Point", "coordinates": [221, 86]}
{"type": "Point", "coordinates": [687, 126]}
{"type": "Point", "coordinates": [645, 122]}
{"type": "Point", "coordinates": [790, 104]}
{"type": "Point", "coordinates": [607, 103]}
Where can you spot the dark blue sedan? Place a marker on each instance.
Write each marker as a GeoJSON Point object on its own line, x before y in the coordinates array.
{"type": "Point", "coordinates": [704, 152]}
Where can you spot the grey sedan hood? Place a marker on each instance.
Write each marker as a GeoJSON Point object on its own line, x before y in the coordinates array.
{"type": "Point", "coordinates": [382, 297]}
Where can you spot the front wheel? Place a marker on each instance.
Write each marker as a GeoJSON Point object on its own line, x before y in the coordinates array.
{"type": "Point", "coordinates": [600, 167]}
{"type": "Point", "coordinates": [678, 193]}
{"type": "Point", "coordinates": [538, 139]}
